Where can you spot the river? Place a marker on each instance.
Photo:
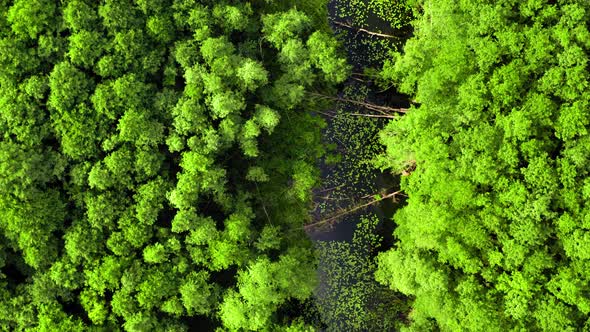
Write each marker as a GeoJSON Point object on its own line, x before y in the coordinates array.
{"type": "Point", "coordinates": [353, 181]}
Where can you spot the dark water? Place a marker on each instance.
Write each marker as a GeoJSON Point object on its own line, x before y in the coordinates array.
{"type": "Point", "coordinates": [372, 181]}
{"type": "Point", "coordinates": [355, 179]}
{"type": "Point", "coordinates": [343, 229]}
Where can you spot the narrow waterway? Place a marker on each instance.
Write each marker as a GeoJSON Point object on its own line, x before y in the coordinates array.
{"type": "Point", "coordinates": [353, 181]}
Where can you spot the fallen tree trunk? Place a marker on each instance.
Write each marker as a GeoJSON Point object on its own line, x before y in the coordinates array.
{"type": "Point", "coordinates": [330, 220]}
{"type": "Point", "coordinates": [371, 33]}
{"type": "Point", "coordinates": [374, 116]}
{"type": "Point", "coordinates": [378, 108]}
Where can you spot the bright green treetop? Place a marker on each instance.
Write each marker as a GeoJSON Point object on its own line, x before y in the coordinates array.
{"type": "Point", "coordinates": [153, 165]}
{"type": "Point", "coordinates": [493, 233]}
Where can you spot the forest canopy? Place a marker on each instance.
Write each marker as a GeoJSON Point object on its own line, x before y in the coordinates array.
{"type": "Point", "coordinates": [495, 235]}
{"type": "Point", "coordinates": [160, 158]}
{"type": "Point", "coordinates": [156, 162]}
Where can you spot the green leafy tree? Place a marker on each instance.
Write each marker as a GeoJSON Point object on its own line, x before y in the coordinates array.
{"type": "Point", "coordinates": [492, 232]}
{"type": "Point", "coordinates": [156, 156]}
{"type": "Point", "coordinates": [31, 18]}
{"type": "Point", "coordinates": [85, 48]}
{"type": "Point", "coordinates": [263, 287]}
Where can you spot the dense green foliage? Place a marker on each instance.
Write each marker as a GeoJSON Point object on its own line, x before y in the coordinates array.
{"type": "Point", "coordinates": [156, 161]}
{"type": "Point", "coordinates": [495, 236]}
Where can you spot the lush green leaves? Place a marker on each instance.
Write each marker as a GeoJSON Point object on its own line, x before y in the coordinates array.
{"type": "Point", "coordinates": [495, 224]}
{"type": "Point", "coordinates": [152, 162]}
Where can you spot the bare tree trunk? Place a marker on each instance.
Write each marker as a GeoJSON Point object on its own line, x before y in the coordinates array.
{"type": "Point", "coordinates": [371, 33]}
{"type": "Point", "coordinates": [330, 220]}
{"type": "Point", "coordinates": [381, 109]}
{"type": "Point", "coordinates": [328, 114]}
{"type": "Point", "coordinates": [360, 80]}
{"type": "Point", "coordinates": [329, 189]}
{"type": "Point", "coordinates": [374, 116]}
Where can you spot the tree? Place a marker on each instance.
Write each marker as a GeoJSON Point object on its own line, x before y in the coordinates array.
{"type": "Point", "coordinates": [197, 294]}
{"type": "Point", "coordinates": [263, 287]}
{"type": "Point", "coordinates": [281, 27]}
{"type": "Point", "coordinates": [30, 19]}
{"type": "Point", "coordinates": [69, 87]}
{"type": "Point", "coordinates": [80, 15]}
{"type": "Point", "coordinates": [152, 155]}
{"type": "Point", "coordinates": [323, 53]}
{"type": "Point", "coordinates": [85, 48]}
{"type": "Point", "coordinates": [492, 231]}
{"type": "Point", "coordinates": [22, 118]}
